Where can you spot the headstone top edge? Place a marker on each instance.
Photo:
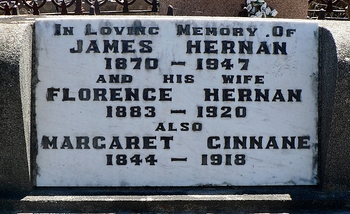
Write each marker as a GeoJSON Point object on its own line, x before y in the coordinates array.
{"type": "Point", "coordinates": [177, 18]}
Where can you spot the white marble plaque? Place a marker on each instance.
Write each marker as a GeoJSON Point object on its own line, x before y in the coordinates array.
{"type": "Point", "coordinates": [176, 101]}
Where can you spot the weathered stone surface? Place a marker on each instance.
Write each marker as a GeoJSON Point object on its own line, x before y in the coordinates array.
{"type": "Point", "coordinates": [15, 105]}
{"type": "Point", "coordinates": [335, 151]}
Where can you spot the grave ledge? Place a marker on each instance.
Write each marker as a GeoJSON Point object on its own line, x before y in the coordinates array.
{"type": "Point", "coordinates": [248, 199]}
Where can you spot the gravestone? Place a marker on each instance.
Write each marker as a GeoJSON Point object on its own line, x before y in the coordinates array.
{"type": "Point", "coordinates": [281, 46]}
{"type": "Point", "coordinates": [162, 101]}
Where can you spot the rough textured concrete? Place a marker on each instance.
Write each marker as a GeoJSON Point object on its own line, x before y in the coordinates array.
{"type": "Point", "coordinates": [328, 69]}
{"type": "Point", "coordinates": [336, 169]}
{"type": "Point", "coordinates": [296, 9]}
{"type": "Point", "coordinates": [15, 101]}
